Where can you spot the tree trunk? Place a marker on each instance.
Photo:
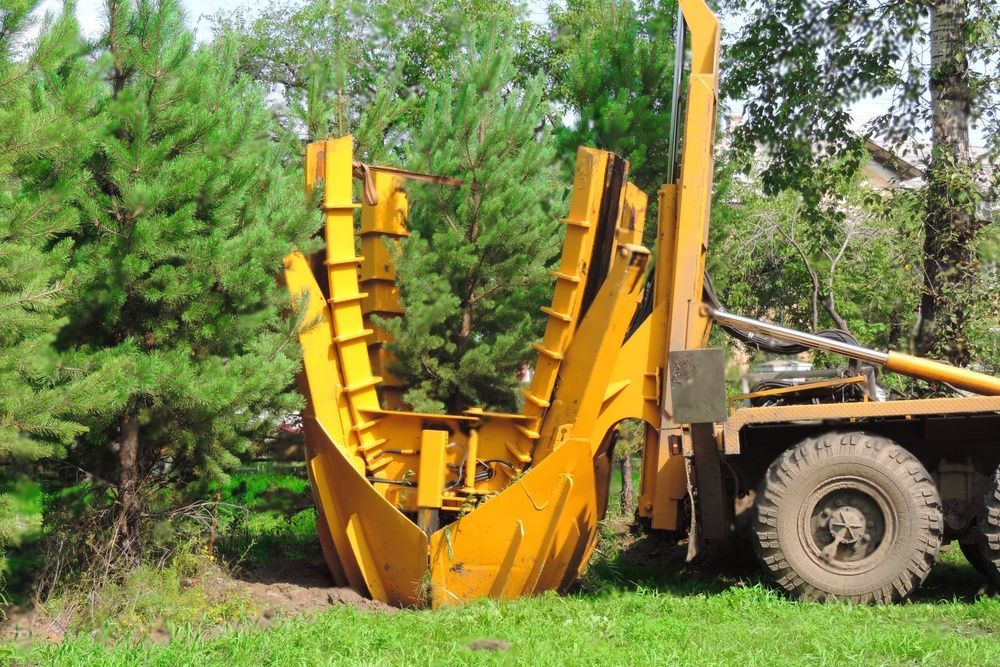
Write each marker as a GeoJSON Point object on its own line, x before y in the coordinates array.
{"type": "Point", "coordinates": [129, 505]}
{"type": "Point", "coordinates": [627, 492]}
{"type": "Point", "coordinates": [950, 226]}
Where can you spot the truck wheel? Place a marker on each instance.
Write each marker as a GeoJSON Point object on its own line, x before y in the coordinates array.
{"type": "Point", "coordinates": [989, 537]}
{"type": "Point", "coordinates": [973, 552]}
{"type": "Point", "coordinates": [848, 516]}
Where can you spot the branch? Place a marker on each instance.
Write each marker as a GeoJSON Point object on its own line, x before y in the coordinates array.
{"type": "Point", "coordinates": [828, 304]}
{"type": "Point", "coordinates": [485, 294]}
{"type": "Point", "coordinates": [812, 273]}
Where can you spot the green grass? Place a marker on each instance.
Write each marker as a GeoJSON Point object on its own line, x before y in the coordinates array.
{"type": "Point", "coordinates": [664, 624]}
{"type": "Point", "coordinates": [24, 498]}
{"type": "Point", "coordinates": [630, 610]}
{"type": "Point", "coordinates": [637, 615]}
{"type": "Point", "coordinates": [279, 520]}
{"type": "Point", "coordinates": [191, 590]}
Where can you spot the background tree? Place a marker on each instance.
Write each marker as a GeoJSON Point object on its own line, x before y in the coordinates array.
{"type": "Point", "coordinates": [350, 66]}
{"type": "Point", "coordinates": [801, 67]}
{"type": "Point", "coordinates": [775, 259]}
{"type": "Point", "coordinates": [319, 60]}
{"type": "Point", "coordinates": [473, 272]}
{"type": "Point", "coordinates": [191, 211]}
{"type": "Point", "coordinates": [612, 74]}
{"type": "Point", "coordinates": [48, 126]}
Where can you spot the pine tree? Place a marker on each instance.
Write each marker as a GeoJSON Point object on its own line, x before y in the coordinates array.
{"type": "Point", "coordinates": [612, 68]}
{"type": "Point", "coordinates": [473, 272]}
{"type": "Point", "coordinates": [47, 129]}
{"type": "Point", "coordinates": [191, 213]}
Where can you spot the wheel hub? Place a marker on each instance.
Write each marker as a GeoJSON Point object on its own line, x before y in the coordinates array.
{"type": "Point", "coordinates": [848, 523]}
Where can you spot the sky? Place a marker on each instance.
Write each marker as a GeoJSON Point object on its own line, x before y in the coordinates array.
{"type": "Point", "coordinates": [90, 13]}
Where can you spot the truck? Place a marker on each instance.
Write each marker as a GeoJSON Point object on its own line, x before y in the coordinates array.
{"type": "Point", "coordinates": [852, 496]}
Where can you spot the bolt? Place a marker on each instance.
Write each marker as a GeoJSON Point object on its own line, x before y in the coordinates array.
{"type": "Point", "coordinates": [840, 503]}
{"type": "Point", "coordinates": [871, 524]}
{"type": "Point", "coordinates": [866, 538]}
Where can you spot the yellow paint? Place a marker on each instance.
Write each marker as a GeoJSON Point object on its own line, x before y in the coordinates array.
{"type": "Point", "coordinates": [430, 479]}
{"type": "Point", "coordinates": [590, 359]}
{"type": "Point", "coordinates": [567, 296]}
{"type": "Point", "coordinates": [531, 537]}
{"type": "Point", "coordinates": [383, 226]}
{"type": "Point", "coordinates": [531, 524]}
{"type": "Point", "coordinates": [396, 548]}
{"type": "Point", "coordinates": [936, 371]}
{"type": "Point", "coordinates": [363, 555]}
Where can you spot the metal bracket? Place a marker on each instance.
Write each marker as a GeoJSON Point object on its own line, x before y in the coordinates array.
{"type": "Point", "coordinates": [698, 386]}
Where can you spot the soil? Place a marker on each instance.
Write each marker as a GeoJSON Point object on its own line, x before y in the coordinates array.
{"type": "Point", "coordinates": [292, 587]}
{"type": "Point", "coordinates": [279, 589]}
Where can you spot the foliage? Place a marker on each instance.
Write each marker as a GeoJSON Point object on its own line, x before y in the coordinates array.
{"type": "Point", "coordinates": [315, 58]}
{"type": "Point", "coordinates": [193, 554]}
{"type": "Point", "coordinates": [48, 126]}
{"type": "Point", "coordinates": [267, 515]}
{"type": "Point", "coordinates": [801, 66]}
{"type": "Point", "coordinates": [190, 212]}
{"type": "Point", "coordinates": [188, 578]}
{"type": "Point", "coordinates": [473, 273]}
{"type": "Point", "coordinates": [775, 260]}
{"type": "Point", "coordinates": [611, 72]}
{"type": "Point", "coordinates": [352, 66]}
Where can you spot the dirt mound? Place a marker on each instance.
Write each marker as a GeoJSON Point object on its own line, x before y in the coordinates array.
{"type": "Point", "coordinates": [296, 587]}
{"type": "Point", "coordinates": [279, 589]}
{"type": "Point", "coordinates": [23, 625]}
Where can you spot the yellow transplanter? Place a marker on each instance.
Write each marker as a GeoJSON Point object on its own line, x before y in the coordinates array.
{"type": "Point", "coordinates": [428, 508]}
{"type": "Point", "coordinates": [435, 509]}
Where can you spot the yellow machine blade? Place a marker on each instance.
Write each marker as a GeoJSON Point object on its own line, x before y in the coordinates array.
{"type": "Point", "coordinates": [525, 540]}
{"type": "Point", "coordinates": [517, 495]}
{"type": "Point", "coordinates": [381, 551]}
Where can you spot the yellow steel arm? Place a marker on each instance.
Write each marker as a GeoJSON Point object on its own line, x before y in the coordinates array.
{"type": "Point", "coordinates": [677, 322]}
{"type": "Point", "coordinates": [683, 260]}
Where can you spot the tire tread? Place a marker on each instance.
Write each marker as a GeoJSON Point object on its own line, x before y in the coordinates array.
{"type": "Point", "coordinates": [897, 461]}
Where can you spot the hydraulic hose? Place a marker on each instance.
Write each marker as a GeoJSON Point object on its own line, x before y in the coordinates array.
{"type": "Point", "coordinates": [895, 362]}
{"type": "Point", "coordinates": [766, 343]}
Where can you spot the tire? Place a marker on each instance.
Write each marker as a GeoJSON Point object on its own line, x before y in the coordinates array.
{"type": "Point", "coordinates": [974, 553]}
{"type": "Point", "coordinates": [989, 537]}
{"type": "Point", "coordinates": [848, 516]}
